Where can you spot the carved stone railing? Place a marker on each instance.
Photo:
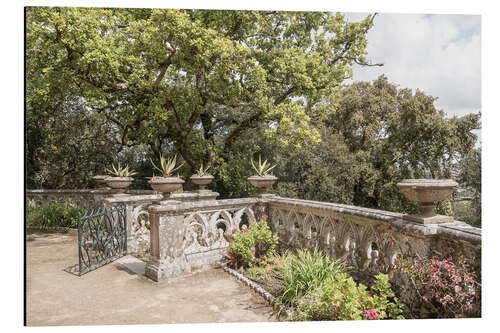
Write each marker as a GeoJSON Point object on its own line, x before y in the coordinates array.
{"type": "Point", "coordinates": [137, 219]}
{"type": "Point", "coordinates": [192, 234]}
{"type": "Point", "coordinates": [185, 236]}
{"type": "Point", "coordinates": [368, 239]}
{"type": "Point", "coordinates": [138, 225]}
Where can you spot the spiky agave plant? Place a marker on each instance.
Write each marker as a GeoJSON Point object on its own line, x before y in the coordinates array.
{"type": "Point", "coordinates": [120, 171]}
{"type": "Point", "coordinates": [262, 169]}
{"type": "Point", "coordinates": [202, 171]}
{"type": "Point", "coordinates": [167, 166]}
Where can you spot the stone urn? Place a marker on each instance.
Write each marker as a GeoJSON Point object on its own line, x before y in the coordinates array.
{"type": "Point", "coordinates": [166, 185]}
{"type": "Point", "coordinates": [427, 192]}
{"type": "Point", "coordinates": [262, 182]}
{"type": "Point", "coordinates": [100, 180]}
{"type": "Point", "coordinates": [119, 184]}
{"type": "Point", "coordinates": [201, 181]}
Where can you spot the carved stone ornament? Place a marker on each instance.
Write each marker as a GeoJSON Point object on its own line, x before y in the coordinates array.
{"type": "Point", "coordinates": [201, 181]}
{"type": "Point", "coordinates": [166, 184]}
{"type": "Point", "coordinates": [119, 183]}
{"type": "Point", "coordinates": [427, 192]}
{"type": "Point", "coordinates": [262, 182]}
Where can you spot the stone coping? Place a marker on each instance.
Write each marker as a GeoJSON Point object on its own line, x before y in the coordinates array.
{"type": "Point", "coordinates": [86, 191]}
{"type": "Point", "coordinates": [197, 205]}
{"type": "Point", "coordinates": [133, 198]}
{"type": "Point", "coordinates": [456, 229]}
{"type": "Point", "coordinates": [185, 196]}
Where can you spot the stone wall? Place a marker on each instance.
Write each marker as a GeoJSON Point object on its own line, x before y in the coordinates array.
{"type": "Point", "coordinates": [89, 198]}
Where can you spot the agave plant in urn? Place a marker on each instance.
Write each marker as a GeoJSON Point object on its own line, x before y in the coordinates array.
{"type": "Point", "coordinates": [427, 192]}
{"type": "Point", "coordinates": [263, 179]}
{"type": "Point", "coordinates": [166, 184]}
{"type": "Point", "coordinates": [202, 177]}
{"type": "Point", "coordinates": [120, 178]}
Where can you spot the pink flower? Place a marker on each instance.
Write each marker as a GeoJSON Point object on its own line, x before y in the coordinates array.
{"type": "Point", "coordinates": [234, 230]}
{"type": "Point", "coordinates": [371, 314]}
{"type": "Point", "coordinates": [253, 251]}
{"type": "Point", "coordinates": [264, 217]}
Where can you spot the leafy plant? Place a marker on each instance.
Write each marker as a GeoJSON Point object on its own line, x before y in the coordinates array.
{"type": "Point", "coordinates": [339, 297]}
{"type": "Point", "coordinates": [262, 168]}
{"type": "Point", "coordinates": [201, 172]}
{"type": "Point", "coordinates": [167, 166]}
{"type": "Point", "coordinates": [306, 270]}
{"type": "Point", "coordinates": [120, 171]}
{"type": "Point", "coordinates": [438, 288]}
{"type": "Point", "coordinates": [53, 215]}
{"type": "Point", "coordinates": [250, 245]}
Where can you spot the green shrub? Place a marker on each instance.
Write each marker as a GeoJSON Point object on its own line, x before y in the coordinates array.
{"type": "Point", "coordinates": [439, 288]}
{"type": "Point", "coordinates": [53, 215]}
{"type": "Point", "coordinates": [305, 270]}
{"type": "Point", "coordinates": [251, 245]}
{"type": "Point", "coordinates": [338, 297]}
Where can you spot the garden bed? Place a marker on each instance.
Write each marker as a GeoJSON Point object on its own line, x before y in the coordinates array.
{"type": "Point", "coordinates": [306, 285]}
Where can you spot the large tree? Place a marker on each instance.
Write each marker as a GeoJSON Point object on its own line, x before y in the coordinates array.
{"type": "Point", "coordinates": [193, 81]}
{"type": "Point", "coordinates": [376, 134]}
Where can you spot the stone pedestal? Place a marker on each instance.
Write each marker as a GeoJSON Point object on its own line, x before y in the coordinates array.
{"type": "Point", "coordinates": [167, 252]}
{"type": "Point", "coordinates": [206, 195]}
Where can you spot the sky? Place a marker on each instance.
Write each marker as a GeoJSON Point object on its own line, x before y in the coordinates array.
{"type": "Point", "coordinates": [439, 54]}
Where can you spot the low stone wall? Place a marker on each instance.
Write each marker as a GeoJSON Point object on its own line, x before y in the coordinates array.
{"type": "Point", "coordinates": [89, 198]}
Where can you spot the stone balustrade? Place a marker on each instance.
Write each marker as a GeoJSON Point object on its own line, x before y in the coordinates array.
{"type": "Point", "coordinates": [187, 235]}
{"type": "Point", "coordinates": [368, 239]}
{"type": "Point", "coordinates": [190, 229]}
{"type": "Point", "coordinates": [136, 203]}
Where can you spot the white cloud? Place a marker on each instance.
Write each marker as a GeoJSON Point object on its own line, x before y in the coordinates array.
{"type": "Point", "coordinates": [439, 54]}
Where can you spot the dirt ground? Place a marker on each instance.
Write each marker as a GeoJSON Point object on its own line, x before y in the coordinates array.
{"type": "Point", "coordinates": [119, 293]}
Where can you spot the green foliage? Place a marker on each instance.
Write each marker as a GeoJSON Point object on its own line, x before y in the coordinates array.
{"type": "Point", "coordinates": [339, 297]}
{"type": "Point", "coordinates": [167, 167]}
{"type": "Point", "coordinates": [53, 215]}
{"type": "Point", "coordinates": [252, 244]}
{"type": "Point", "coordinates": [120, 171]}
{"type": "Point", "coordinates": [373, 135]}
{"type": "Point", "coordinates": [193, 82]}
{"type": "Point", "coordinates": [305, 271]}
{"type": "Point", "coordinates": [470, 178]}
{"type": "Point", "coordinates": [262, 168]}
{"type": "Point", "coordinates": [439, 288]}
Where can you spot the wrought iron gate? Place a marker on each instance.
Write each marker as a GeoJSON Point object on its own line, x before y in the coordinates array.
{"type": "Point", "coordinates": [102, 237]}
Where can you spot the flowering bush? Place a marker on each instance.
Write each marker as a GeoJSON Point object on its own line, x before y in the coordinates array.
{"type": "Point", "coordinates": [443, 289]}
{"type": "Point", "coordinates": [251, 245]}
{"type": "Point", "coordinates": [340, 298]}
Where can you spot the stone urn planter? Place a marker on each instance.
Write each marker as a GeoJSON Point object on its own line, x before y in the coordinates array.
{"type": "Point", "coordinates": [119, 183]}
{"type": "Point", "coordinates": [100, 180]}
{"type": "Point", "coordinates": [427, 192]}
{"type": "Point", "coordinates": [262, 182]}
{"type": "Point", "coordinates": [201, 181]}
{"type": "Point", "coordinates": [166, 185]}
